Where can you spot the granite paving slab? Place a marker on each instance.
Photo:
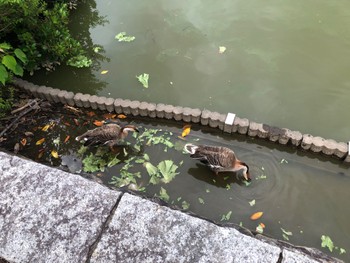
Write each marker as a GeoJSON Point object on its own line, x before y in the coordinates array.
{"type": "Point", "coordinates": [48, 215]}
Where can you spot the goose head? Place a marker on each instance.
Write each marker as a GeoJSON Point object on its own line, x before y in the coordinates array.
{"type": "Point", "coordinates": [125, 129]}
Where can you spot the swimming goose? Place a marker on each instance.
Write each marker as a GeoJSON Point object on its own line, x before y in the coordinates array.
{"type": "Point", "coordinates": [109, 134]}
{"type": "Point", "coordinates": [219, 159]}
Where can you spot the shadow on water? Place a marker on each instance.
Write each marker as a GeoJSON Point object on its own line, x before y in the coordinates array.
{"type": "Point", "coordinates": [304, 194]}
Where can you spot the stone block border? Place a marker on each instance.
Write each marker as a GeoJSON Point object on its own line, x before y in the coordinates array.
{"type": "Point", "coordinates": [229, 123]}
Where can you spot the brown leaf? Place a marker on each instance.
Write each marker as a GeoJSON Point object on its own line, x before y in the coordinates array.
{"type": "Point", "coordinates": [91, 113]}
{"type": "Point", "coordinates": [121, 116]}
{"type": "Point", "coordinates": [98, 123]}
{"type": "Point", "coordinates": [109, 116]}
{"type": "Point", "coordinates": [67, 138]}
{"type": "Point", "coordinates": [67, 123]}
{"type": "Point", "coordinates": [186, 130]}
{"type": "Point", "coordinates": [262, 225]}
{"type": "Point", "coordinates": [76, 122]}
{"type": "Point", "coordinates": [24, 141]}
{"type": "Point", "coordinates": [256, 215]}
{"type": "Point", "coordinates": [40, 141]}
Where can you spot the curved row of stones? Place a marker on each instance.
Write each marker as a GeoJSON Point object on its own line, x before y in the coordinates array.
{"type": "Point", "coordinates": [229, 123]}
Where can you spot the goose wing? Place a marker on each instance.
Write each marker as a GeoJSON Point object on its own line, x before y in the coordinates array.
{"type": "Point", "coordinates": [215, 157]}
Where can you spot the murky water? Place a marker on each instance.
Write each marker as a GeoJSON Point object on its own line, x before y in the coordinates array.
{"type": "Point", "coordinates": [286, 64]}
{"type": "Point", "coordinates": [301, 193]}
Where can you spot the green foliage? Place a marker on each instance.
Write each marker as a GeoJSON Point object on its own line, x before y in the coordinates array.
{"type": "Point", "coordinates": [6, 99]}
{"type": "Point", "coordinates": [327, 242]}
{"type": "Point", "coordinates": [143, 78]}
{"type": "Point", "coordinates": [226, 217]}
{"type": "Point", "coordinates": [40, 36]}
{"type": "Point", "coordinates": [122, 37]}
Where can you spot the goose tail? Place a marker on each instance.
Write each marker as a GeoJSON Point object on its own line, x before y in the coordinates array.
{"type": "Point", "coordinates": [190, 148]}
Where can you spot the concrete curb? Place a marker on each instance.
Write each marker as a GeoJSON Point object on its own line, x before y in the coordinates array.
{"type": "Point", "coordinates": [229, 123]}
{"type": "Point", "coordinates": [49, 215]}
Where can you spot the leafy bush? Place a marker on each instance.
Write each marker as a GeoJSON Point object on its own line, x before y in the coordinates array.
{"type": "Point", "coordinates": [6, 100]}
{"type": "Point", "coordinates": [41, 32]}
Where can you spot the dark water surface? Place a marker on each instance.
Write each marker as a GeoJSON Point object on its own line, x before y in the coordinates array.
{"type": "Point", "coordinates": [286, 64]}
{"type": "Point", "coordinates": [304, 194]}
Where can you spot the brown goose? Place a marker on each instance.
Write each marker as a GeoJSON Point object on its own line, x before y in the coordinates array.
{"type": "Point", "coordinates": [219, 159]}
{"type": "Point", "coordinates": [109, 134]}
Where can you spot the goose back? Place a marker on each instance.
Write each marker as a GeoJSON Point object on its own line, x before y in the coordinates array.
{"type": "Point", "coordinates": [101, 135]}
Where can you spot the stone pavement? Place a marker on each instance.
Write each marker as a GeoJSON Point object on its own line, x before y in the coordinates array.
{"type": "Point", "coordinates": [48, 215]}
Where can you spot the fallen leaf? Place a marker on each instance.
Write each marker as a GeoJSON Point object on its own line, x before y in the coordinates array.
{"type": "Point", "coordinates": [104, 72]}
{"type": "Point", "coordinates": [29, 134]}
{"type": "Point", "coordinates": [76, 122]}
{"type": "Point", "coordinates": [98, 123]}
{"type": "Point", "coordinates": [46, 127]}
{"type": "Point", "coordinates": [256, 215]}
{"type": "Point", "coordinates": [67, 123]}
{"type": "Point", "coordinates": [54, 154]}
{"type": "Point", "coordinates": [222, 49]}
{"type": "Point", "coordinates": [24, 141]}
{"type": "Point", "coordinates": [67, 138]}
{"type": "Point", "coordinates": [90, 113]}
{"type": "Point", "coordinates": [109, 116]}
{"type": "Point", "coordinates": [262, 225]}
{"type": "Point", "coordinates": [186, 130]}
{"type": "Point", "coordinates": [41, 153]}
{"type": "Point", "coordinates": [121, 116]}
{"type": "Point", "coordinates": [40, 141]}
{"type": "Point", "coordinates": [85, 123]}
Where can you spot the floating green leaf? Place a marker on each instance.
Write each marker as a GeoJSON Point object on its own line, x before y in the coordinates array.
{"type": "Point", "coordinates": [252, 203]}
{"type": "Point", "coordinates": [93, 163]}
{"type": "Point", "coordinates": [283, 161]}
{"type": "Point", "coordinates": [163, 194]}
{"type": "Point", "coordinates": [113, 162]}
{"type": "Point", "coordinates": [342, 251]}
{"type": "Point", "coordinates": [260, 229]}
{"type": "Point", "coordinates": [200, 200]}
{"type": "Point", "coordinates": [122, 37]}
{"type": "Point", "coordinates": [327, 242]}
{"type": "Point", "coordinates": [143, 78]}
{"type": "Point", "coordinates": [185, 205]}
{"type": "Point", "coordinates": [167, 169]}
{"type": "Point", "coordinates": [226, 217]}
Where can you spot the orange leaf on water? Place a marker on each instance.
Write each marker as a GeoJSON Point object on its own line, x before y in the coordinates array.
{"type": "Point", "coordinates": [54, 154]}
{"type": "Point", "coordinates": [24, 141]}
{"type": "Point", "coordinates": [98, 123]}
{"type": "Point", "coordinates": [40, 141]}
{"type": "Point", "coordinates": [256, 215]}
{"type": "Point", "coordinates": [186, 130]}
{"type": "Point", "coordinates": [121, 116]}
{"type": "Point", "coordinates": [67, 138]}
{"type": "Point", "coordinates": [91, 113]}
{"type": "Point", "coordinates": [262, 225]}
{"type": "Point", "coordinates": [109, 116]}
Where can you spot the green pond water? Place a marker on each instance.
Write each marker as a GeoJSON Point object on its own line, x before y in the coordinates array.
{"type": "Point", "coordinates": [285, 64]}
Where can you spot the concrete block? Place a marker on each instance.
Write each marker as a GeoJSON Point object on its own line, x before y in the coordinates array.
{"type": "Point", "coordinates": [205, 117]}
{"type": "Point", "coordinates": [77, 99]}
{"type": "Point", "coordinates": [228, 126]}
{"type": "Point", "coordinates": [159, 234]}
{"type": "Point", "coordinates": [134, 107]}
{"type": "Point", "coordinates": [118, 105]}
{"type": "Point", "coordinates": [342, 150]}
{"type": "Point", "coordinates": [32, 89]}
{"type": "Point", "coordinates": [263, 131]}
{"type": "Point", "coordinates": [296, 138]}
{"type": "Point", "coordinates": [347, 158]}
{"type": "Point", "coordinates": [196, 115]}
{"type": "Point", "coordinates": [160, 110]}
{"type": "Point", "coordinates": [214, 119]}
{"type": "Point", "coordinates": [152, 110]}
{"type": "Point", "coordinates": [178, 113]}
{"type": "Point", "coordinates": [19, 82]}
{"type": "Point", "coordinates": [93, 102]}
{"type": "Point", "coordinates": [54, 95]}
{"type": "Point", "coordinates": [85, 100]}
{"type": "Point", "coordinates": [40, 92]}
{"type": "Point", "coordinates": [143, 109]}
{"type": "Point", "coordinates": [60, 96]}
{"type": "Point", "coordinates": [329, 147]}
{"type": "Point", "coordinates": [222, 119]}
{"type": "Point", "coordinates": [69, 98]}
{"type": "Point", "coordinates": [125, 104]}
{"type": "Point", "coordinates": [317, 144]}
{"type": "Point", "coordinates": [186, 115]}
{"type": "Point", "coordinates": [274, 134]}
{"type": "Point", "coordinates": [169, 111]}
{"type": "Point", "coordinates": [47, 94]}
{"type": "Point", "coordinates": [285, 136]}
{"type": "Point", "coordinates": [306, 141]}
{"type": "Point", "coordinates": [101, 103]}
{"type": "Point", "coordinates": [253, 129]}
{"type": "Point", "coordinates": [240, 125]}
{"type": "Point", "coordinates": [109, 104]}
